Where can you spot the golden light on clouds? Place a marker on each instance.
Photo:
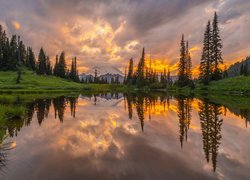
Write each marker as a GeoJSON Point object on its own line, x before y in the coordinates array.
{"type": "Point", "coordinates": [159, 65]}
{"type": "Point", "coordinates": [16, 25]}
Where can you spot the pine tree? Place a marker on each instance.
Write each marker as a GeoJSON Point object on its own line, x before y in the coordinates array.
{"type": "Point", "coordinates": [72, 70]}
{"type": "Point", "coordinates": [21, 53]}
{"type": "Point", "coordinates": [141, 70]}
{"type": "Point", "coordinates": [41, 67]}
{"type": "Point", "coordinates": [73, 75]}
{"type": "Point", "coordinates": [48, 66]}
{"type": "Point", "coordinates": [55, 70]}
{"type": "Point", "coordinates": [206, 57]}
{"type": "Point", "coordinates": [182, 64]}
{"type": "Point", "coordinates": [216, 49]}
{"type": "Point", "coordinates": [13, 58]}
{"type": "Point", "coordinates": [61, 68]}
{"type": "Point", "coordinates": [188, 64]}
{"type": "Point", "coordinates": [31, 61]}
{"type": "Point", "coordinates": [130, 71]}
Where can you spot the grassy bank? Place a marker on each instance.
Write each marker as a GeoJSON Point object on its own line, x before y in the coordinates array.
{"type": "Point", "coordinates": [32, 83]}
{"type": "Point", "coordinates": [236, 85]}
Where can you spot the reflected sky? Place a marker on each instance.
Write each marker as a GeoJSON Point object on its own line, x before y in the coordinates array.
{"type": "Point", "coordinates": [98, 139]}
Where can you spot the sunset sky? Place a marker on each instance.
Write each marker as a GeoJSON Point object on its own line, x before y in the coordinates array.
{"type": "Point", "coordinates": [108, 33]}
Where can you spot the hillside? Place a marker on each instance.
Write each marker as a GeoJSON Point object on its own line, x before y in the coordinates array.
{"type": "Point", "coordinates": [235, 85]}
{"type": "Point", "coordinates": [30, 82]}
{"type": "Point", "coordinates": [234, 70]}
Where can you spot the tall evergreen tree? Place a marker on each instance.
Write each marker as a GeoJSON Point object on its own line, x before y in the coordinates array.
{"type": "Point", "coordinates": [130, 71]}
{"type": "Point", "coordinates": [21, 52]}
{"type": "Point", "coordinates": [55, 70]}
{"type": "Point", "coordinates": [73, 71]}
{"type": "Point", "coordinates": [62, 67]}
{"type": "Point", "coordinates": [48, 66]}
{"type": "Point", "coordinates": [216, 49]}
{"type": "Point", "coordinates": [30, 59]}
{"type": "Point", "coordinates": [141, 70]}
{"type": "Point", "coordinates": [13, 58]}
{"type": "Point", "coordinates": [41, 64]}
{"type": "Point", "coordinates": [188, 64]}
{"type": "Point", "coordinates": [182, 64]}
{"type": "Point", "coordinates": [206, 57]}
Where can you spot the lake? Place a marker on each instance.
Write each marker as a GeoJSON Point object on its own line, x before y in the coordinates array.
{"type": "Point", "coordinates": [128, 136]}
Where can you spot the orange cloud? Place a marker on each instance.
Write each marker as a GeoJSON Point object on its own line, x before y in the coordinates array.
{"type": "Point", "coordinates": [16, 25]}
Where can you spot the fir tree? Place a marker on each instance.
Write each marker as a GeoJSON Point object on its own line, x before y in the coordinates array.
{"type": "Point", "coordinates": [61, 68]}
{"type": "Point", "coordinates": [41, 66]}
{"type": "Point", "coordinates": [48, 66]}
{"type": "Point", "coordinates": [216, 49]}
{"type": "Point", "coordinates": [14, 57]}
{"type": "Point", "coordinates": [31, 61]}
{"type": "Point", "coordinates": [55, 70]}
{"type": "Point", "coordinates": [182, 64]}
{"type": "Point", "coordinates": [188, 64]}
{"type": "Point", "coordinates": [206, 57]}
{"type": "Point", "coordinates": [141, 70]}
{"type": "Point", "coordinates": [130, 71]}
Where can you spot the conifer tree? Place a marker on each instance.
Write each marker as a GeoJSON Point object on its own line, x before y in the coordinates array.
{"type": "Point", "coordinates": [13, 58]}
{"type": "Point", "coordinates": [182, 64]}
{"type": "Point", "coordinates": [73, 75]}
{"type": "Point", "coordinates": [41, 66]}
{"type": "Point", "coordinates": [61, 68]}
{"type": "Point", "coordinates": [216, 49]}
{"type": "Point", "coordinates": [206, 57]}
{"type": "Point", "coordinates": [48, 66]}
{"type": "Point", "coordinates": [188, 64]}
{"type": "Point", "coordinates": [31, 61]}
{"type": "Point", "coordinates": [55, 70]}
{"type": "Point", "coordinates": [21, 52]}
{"type": "Point", "coordinates": [130, 71]}
{"type": "Point", "coordinates": [141, 70]}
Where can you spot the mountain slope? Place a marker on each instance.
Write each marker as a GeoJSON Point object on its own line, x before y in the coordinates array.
{"type": "Point", "coordinates": [234, 70]}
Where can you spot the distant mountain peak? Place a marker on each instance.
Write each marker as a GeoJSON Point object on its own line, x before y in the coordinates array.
{"type": "Point", "coordinates": [102, 70]}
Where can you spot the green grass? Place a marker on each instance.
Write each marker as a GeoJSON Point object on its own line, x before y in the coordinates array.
{"type": "Point", "coordinates": [235, 85]}
{"type": "Point", "coordinates": [32, 83]}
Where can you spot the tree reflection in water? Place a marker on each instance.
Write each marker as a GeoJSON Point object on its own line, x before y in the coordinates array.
{"type": "Point", "coordinates": [145, 106]}
{"type": "Point", "coordinates": [209, 118]}
{"type": "Point", "coordinates": [211, 129]}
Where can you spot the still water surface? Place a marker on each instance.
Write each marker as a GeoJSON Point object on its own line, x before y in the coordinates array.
{"type": "Point", "coordinates": [128, 137]}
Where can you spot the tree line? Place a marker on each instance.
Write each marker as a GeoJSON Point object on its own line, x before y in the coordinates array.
{"type": "Point", "coordinates": [14, 56]}
{"type": "Point", "coordinates": [146, 75]}
{"type": "Point", "coordinates": [210, 64]}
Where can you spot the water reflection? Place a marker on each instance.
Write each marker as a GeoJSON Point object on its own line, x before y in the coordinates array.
{"type": "Point", "coordinates": [184, 114]}
{"type": "Point", "coordinates": [211, 129]}
{"type": "Point", "coordinates": [101, 126]}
